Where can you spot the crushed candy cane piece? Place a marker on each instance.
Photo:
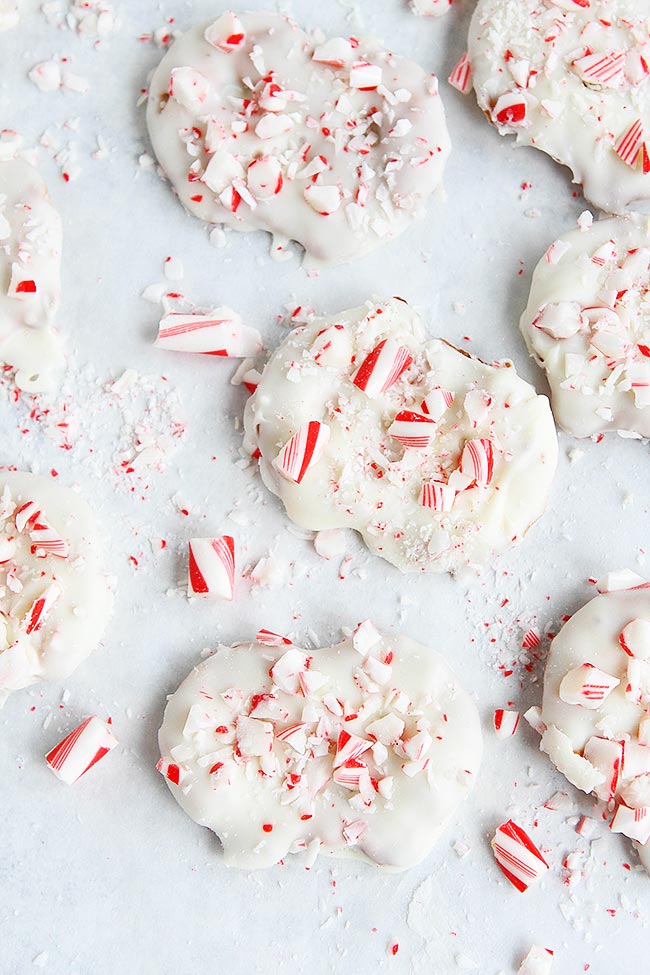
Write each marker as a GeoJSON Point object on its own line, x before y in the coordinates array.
{"type": "Point", "coordinates": [302, 451]}
{"type": "Point", "coordinates": [382, 368]}
{"type": "Point", "coordinates": [211, 570]}
{"type": "Point", "coordinates": [587, 686]}
{"type": "Point", "coordinates": [634, 639]}
{"type": "Point", "coordinates": [517, 856]}
{"type": "Point", "coordinates": [633, 823]}
{"type": "Point", "coordinates": [220, 333]}
{"type": "Point", "coordinates": [461, 77]}
{"type": "Point", "coordinates": [505, 723]}
{"type": "Point", "coordinates": [81, 749]}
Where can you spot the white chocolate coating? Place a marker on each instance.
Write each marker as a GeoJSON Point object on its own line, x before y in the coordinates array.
{"type": "Point", "coordinates": [535, 51]}
{"type": "Point", "coordinates": [592, 636]}
{"type": "Point", "coordinates": [366, 480]}
{"type": "Point", "coordinates": [30, 251]}
{"type": "Point", "coordinates": [76, 621]}
{"type": "Point", "coordinates": [338, 167]}
{"type": "Point", "coordinates": [588, 325]}
{"type": "Point", "coordinates": [392, 818]}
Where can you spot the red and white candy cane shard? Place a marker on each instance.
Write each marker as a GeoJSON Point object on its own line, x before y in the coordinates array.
{"type": "Point", "coordinates": [633, 823]}
{"type": "Point", "coordinates": [40, 609]}
{"type": "Point", "coordinates": [349, 748]}
{"type": "Point", "coordinates": [437, 495]}
{"type": "Point", "coordinates": [461, 77]}
{"type": "Point", "coordinates": [477, 461]}
{"type": "Point", "coordinates": [270, 639]}
{"type": "Point", "coordinates": [302, 451]}
{"type": "Point", "coordinates": [382, 368]}
{"type": "Point", "coordinates": [170, 770]}
{"type": "Point", "coordinates": [21, 286]}
{"type": "Point", "coordinates": [412, 429]}
{"type": "Point", "coordinates": [634, 639]}
{"type": "Point", "coordinates": [212, 567]}
{"type": "Point", "coordinates": [605, 254]}
{"type": "Point", "coordinates": [48, 539]}
{"type": "Point", "coordinates": [538, 961]}
{"type": "Point", "coordinates": [511, 109]}
{"type": "Point", "coordinates": [365, 76]}
{"type": "Point", "coordinates": [608, 757]}
{"type": "Point", "coordinates": [517, 856]}
{"type": "Point", "coordinates": [587, 686]}
{"type": "Point", "coordinates": [632, 145]}
{"type": "Point", "coordinates": [26, 516]}
{"type": "Point", "coordinates": [226, 34]}
{"type": "Point", "coordinates": [220, 333]}
{"type": "Point", "coordinates": [534, 718]}
{"type": "Point", "coordinates": [531, 640]}
{"type": "Point", "coordinates": [622, 579]}
{"type": "Point", "coordinates": [82, 749]}
{"type": "Point", "coordinates": [436, 403]}
{"type": "Point", "coordinates": [606, 70]}
{"type": "Point", "coordinates": [505, 723]}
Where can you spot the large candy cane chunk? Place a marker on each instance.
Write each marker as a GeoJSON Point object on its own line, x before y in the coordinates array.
{"type": "Point", "coordinates": [517, 856]}
{"type": "Point", "coordinates": [412, 429]}
{"type": "Point", "coordinates": [461, 77]}
{"type": "Point", "coordinates": [82, 749]}
{"type": "Point", "coordinates": [635, 639]}
{"type": "Point", "coordinates": [631, 145]}
{"type": "Point", "coordinates": [505, 723]}
{"type": "Point", "coordinates": [605, 70]}
{"type": "Point", "coordinates": [212, 567]}
{"type": "Point", "coordinates": [227, 33]}
{"type": "Point", "coordinates": [40, 608]}
{"type": "Point", "coordinates": [170, 770]}
{"type": "Point", "coordinates": [587, 686]}
{"type": "Point", "coordinates": [477, 461]}
{"type": "Point", "coordinates": [382, 368]}
{"type": "Point", "coordinates": [511, 109]}
{"type": "Point", "coordinates": [438, 496]}
{"type": "Point", "coordinates": [220, 333]}
{"type": "Point", "coordinates": [302, 451]}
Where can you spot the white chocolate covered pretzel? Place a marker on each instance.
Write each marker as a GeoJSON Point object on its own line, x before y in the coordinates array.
{"type": "Point", "coordinates": [335, 143]}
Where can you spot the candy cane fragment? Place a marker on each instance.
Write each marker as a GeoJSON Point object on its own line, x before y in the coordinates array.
{"type": "Point", "coordinates": [437, 495]}
{"type": "Point", "coordinates": [412, 429]}
{"type": "Point", "coordinates": [633, 823]}
{"type": "Point", "coordinates": [212, 567]}
{"type": "Point", "coordinates": [270, 639]}
{"type": "Point", "coordinates": [40, 608]}
{"type": "Point", "coordinates": [302, 451]}
{"type": "Point", "coordinates": [349, 748]}
{"type": "Point", "coordinates": [606, 70]}
{"type": "Point", "coordinates": [477, 461]}
{"type": "Point", "coordinates": [170, 770]}
{"type": "Point", "coordinates": [461, 77]}
{"type": "Point", "coordinates": [511, 109]}
{"type": "Point", "coordinates": [587, 686]}
{"type": "Point", "coordinates": [226, 33]}
{"type": "Point", "coordinates": [608, 757]}
{"type": "Point", "coordinates": [538, 961]}
{"type": "Point", "coordinates": [632, 146]}
{"type": "Point", "coordinates": [517, 856]}
{"type": "Point", "coordinates": [382, 368]}
{"type": "Point", "coordinates": [634, 639]}
{"type": "Point", "coordinates": [622, 579]}
{"type": "Point", "coordinates": [82, 749]}
{"type": "Point", "coordinates": [219, 333]}
{"type": "Point", "coordinates": [505, 723]}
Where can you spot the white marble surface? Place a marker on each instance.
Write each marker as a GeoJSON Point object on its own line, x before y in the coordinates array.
{"type": "Point", "coordinates": [109, 876]}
